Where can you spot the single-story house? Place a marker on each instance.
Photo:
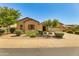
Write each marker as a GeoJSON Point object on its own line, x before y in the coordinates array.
{"type": "Point", "coordinates": [28, 24]}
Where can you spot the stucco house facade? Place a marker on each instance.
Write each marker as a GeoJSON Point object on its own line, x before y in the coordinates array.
{"type": "Point", "coordinates": [28, 24]}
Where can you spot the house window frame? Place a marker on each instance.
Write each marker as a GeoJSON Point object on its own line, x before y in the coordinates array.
{"type": "Point", "coordinates": [21, 26]}
{"type": "Point", "coordinates": [31, 27]}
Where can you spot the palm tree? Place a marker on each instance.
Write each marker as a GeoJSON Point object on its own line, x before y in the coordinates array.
{"type": "Point", "coordinates": [47, 24]}
{"type": "Point", "coordinates": [55, 23]}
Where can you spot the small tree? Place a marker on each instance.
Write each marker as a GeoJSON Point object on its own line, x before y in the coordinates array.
{"type": "Point", "coordinates": [8, 16]}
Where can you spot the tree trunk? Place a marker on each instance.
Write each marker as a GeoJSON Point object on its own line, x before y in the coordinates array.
{"type": "Point", "coordinates": [8, 29]}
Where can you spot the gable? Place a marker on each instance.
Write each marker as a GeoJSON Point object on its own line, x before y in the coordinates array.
{"type": "Point", "coordinates": [31, 22]}
{"type": "Point", "coordinates": [28, 19]}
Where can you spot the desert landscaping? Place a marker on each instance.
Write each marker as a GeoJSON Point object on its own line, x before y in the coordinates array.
{"type": "Point", "coordinates": [39, 29]}
{"type": "Point", "coordinates": [30, 33]}
{"type": "Point", "coordinates": [69, 40]}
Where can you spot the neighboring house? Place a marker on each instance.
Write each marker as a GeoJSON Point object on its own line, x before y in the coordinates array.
{"type": "Point", "coordinates": [28, 24]}
{"type": "Point", "coordinates": [11, 26]}
{"type": "Point", "coordinates": [14, 25]}
{"type": "Point", "coordinates": [60, 27]}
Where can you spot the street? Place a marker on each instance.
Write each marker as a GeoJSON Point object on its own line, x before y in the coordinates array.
{"type": "Point", "coordinates": [65, 51]}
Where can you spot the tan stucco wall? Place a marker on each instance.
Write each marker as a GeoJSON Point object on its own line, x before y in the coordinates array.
{"type": "Point", "coordinates": [15, 25]}
{"type": "Point", "coordinates": [38, 26]}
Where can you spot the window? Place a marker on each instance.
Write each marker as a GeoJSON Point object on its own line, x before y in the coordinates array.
{"type": "Point", "coordinates": [21, 26]}
{"type": "Point", "coordinates": [0, 26]}
{"type": "Point", "coordinates": [31, 27]}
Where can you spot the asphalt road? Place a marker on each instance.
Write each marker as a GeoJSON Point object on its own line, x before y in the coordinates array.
{"type": "Point", "coordinates": [67, 51]}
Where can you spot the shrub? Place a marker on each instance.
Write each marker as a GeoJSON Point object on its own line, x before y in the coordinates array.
{"type": "Point", "coordinates": [77, 32]}
{"type": "Point", "coordinates": [64, 30]}
{"type": "Point", "coordinates": [40, 33]}
{"type": "Point", "coordinates": [18, 32]}
{"type": "Point", "coordinates": [12, 30]}
{"type": "Point", "coordinates": [71, 32]}
{"type": "Point", "coordinates": [32, 33]}
{"type": "Point", "coordinates": [59, 34]}
{"type": "Point", "coordinates": [2, 31]}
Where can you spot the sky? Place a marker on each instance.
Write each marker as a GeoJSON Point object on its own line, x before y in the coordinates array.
{"type": "Point", "coordinates": [67, 13]}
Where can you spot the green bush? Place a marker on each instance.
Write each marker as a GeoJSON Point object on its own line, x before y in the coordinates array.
{"type": "Point", "coordinates": [64, 30]}
{"type": "Point", "coordinates": [77, 32]}
{"type": "Point", "coordinates": [40, 33]}
{"type": "Point", "coordinates": [71, 32]}
{"type": "Point", "coordinates": [2, 31]}
{"type": "Point", "coordinates": [12, 30]}
{"type": "Point", "coordinates": [18, 32]}
{"type": "Point", "coordinates": [59, 34]}
{"type": "Point", "coordinates": [32, 33]}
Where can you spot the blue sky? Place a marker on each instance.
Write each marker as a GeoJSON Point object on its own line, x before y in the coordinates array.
{"type": "Point", "coordinates": [66, 13]}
